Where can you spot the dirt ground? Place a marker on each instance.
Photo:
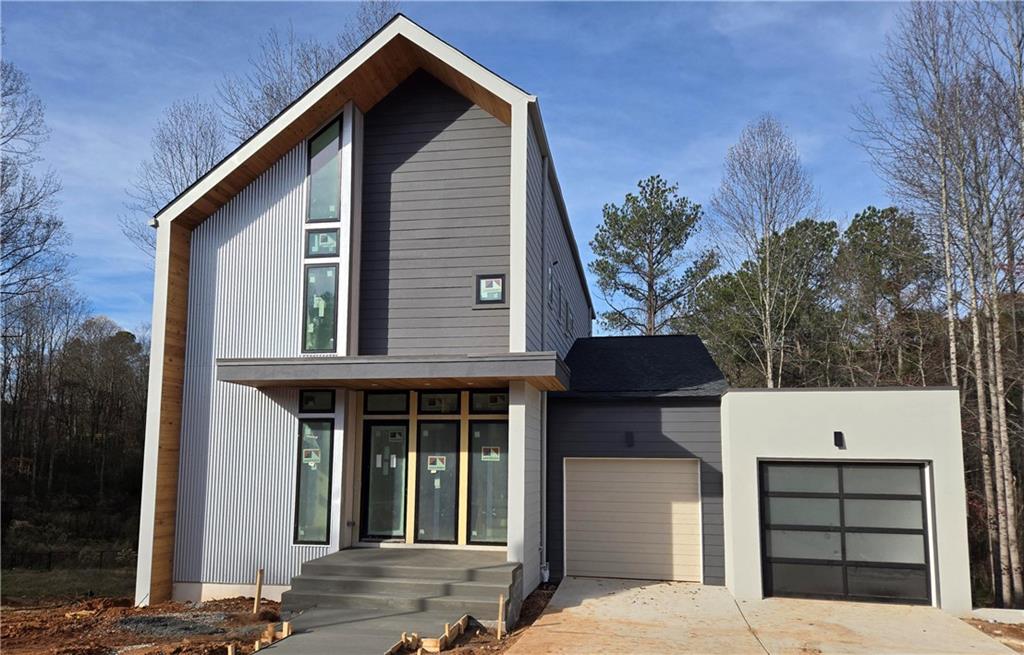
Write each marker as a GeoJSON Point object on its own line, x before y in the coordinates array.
{"type": "Point", "coordinates": [1009, 634]}
{"type": "Point", "coordinates": [485, 642]}
{"type": "Point", "coordinates": [111, 626]}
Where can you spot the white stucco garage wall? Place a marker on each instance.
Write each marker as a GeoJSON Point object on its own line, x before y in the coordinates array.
{"type": "Point", "coordinates": [911, 425]}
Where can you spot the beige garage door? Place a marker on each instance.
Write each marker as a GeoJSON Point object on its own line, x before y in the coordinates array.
{"type": "Point", "coordinates": [632, 518]}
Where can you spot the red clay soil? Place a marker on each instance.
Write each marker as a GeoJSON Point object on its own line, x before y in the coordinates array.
{"type": "Point", "coordinates": [1009, 634]}
{"type": "Point", "coordinates": [111, 625]}
{"type": "Point", "coordinates": [485, 642]}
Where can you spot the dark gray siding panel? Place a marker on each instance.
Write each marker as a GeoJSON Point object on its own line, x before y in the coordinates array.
{"type": "Point", "coordinates": [547, 242]}
{"type": "Point", "coordinates": [435, 213]}
{"type": "Point", "coordinates": [661, 428]}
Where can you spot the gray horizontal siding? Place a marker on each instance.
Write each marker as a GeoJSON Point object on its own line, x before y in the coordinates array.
{"type": "Point", "coordinates": [435, 212]}
{"type": "Point", "coordinates": [534, 248]}
{"type": "Point", "coordinates": [661, 428]}
{"type": "Point", "coordinates": [547, 242]}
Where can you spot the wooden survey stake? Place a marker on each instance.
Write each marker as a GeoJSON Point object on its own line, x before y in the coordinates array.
{"type": "Point", "coordinates": [259, 592]}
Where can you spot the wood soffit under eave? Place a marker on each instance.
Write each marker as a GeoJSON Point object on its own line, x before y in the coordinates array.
{"type": "Point", "coordinates": [366, 86]}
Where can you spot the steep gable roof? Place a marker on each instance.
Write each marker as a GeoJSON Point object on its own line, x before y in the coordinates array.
{"type": "Point", "coordinates": [365, 77]}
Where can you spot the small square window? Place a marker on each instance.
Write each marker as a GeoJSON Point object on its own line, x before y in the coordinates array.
{"type": "Point", "coordinates": [321, 243]}
{"type": "Point", "coordinates": [316, 401]}
{"type": "Point", "coordinates": [490, 289]}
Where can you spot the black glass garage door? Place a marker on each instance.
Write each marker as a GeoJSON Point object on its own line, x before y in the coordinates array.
{"type": "Point", "coordinates": [848, 531]}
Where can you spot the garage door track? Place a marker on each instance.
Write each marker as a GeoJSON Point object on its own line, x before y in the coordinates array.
{"type": "Point", "coordinates": [588, 615]}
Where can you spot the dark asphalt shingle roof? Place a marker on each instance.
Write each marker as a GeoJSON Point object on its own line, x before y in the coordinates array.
{"type": "Point", "coordinates": [670, 365]}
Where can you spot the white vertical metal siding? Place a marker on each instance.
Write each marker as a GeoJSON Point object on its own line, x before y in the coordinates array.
{"type": "Point", "coordinates": [238, 445]}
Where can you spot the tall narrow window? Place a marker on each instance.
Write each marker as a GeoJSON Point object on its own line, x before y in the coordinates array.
{"type": "Point", "coordinates": [321, 308]}
{"type": "Point", "coordinates": [488, 482]}
{"type": "Point", "coordinates": [313, 483]}
{"type": "Point", "coordinates": [325, 174]}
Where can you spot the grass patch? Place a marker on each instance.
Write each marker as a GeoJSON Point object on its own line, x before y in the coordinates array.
{"type": "Point", "coordinates": [23, 585]}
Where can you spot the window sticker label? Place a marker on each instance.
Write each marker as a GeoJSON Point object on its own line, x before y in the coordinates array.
{"type": "Point", "coordinates": [437, 463]}
{"type": "Point", "coordinates": [311, 457]}
{"type": "Point", "coordinates": [490, 289]}
{"type": "Point", "coordinates": [490, 454]}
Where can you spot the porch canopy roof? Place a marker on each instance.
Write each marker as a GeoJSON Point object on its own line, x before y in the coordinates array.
{"type": "Point", "coordinates": [544, 370]}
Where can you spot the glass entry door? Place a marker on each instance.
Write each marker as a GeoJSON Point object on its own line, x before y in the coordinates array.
{"type": "Point", "coordinates": [385, 448]}
{"type": "Point", "coordinates": [437, 481]}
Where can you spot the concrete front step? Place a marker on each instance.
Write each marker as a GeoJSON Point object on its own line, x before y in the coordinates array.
{"type": "Point", "coordinates": [400, 586]}
{"type": "Point", "coordinates": [497, 574]}
{"type": "Point", "coordinates": [294, 600]}
{"type": "Point", "coordinates": [413, 580]}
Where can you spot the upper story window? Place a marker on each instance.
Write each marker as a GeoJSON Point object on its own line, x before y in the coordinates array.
{"type": "Point", "coordinates": [551, 287]}
{"type": "Point", "coordinates": [490, 289]}
{"type": "Point", "coordinates": [325, 174]}
{"type": "Point", "coordinates": [321, 308]}
{"type": "Point", "coordinates": [322, 243]}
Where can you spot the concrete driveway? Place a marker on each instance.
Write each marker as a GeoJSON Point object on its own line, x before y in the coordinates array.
{"type": "Point", "coordinates": [589, 615]}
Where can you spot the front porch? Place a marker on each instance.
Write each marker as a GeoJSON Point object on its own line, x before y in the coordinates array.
{"type": "Point", "coordinates": [367, 597]}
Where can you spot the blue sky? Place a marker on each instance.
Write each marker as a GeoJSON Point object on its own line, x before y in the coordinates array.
{"type": "Point", "coordinates": [627, 90]}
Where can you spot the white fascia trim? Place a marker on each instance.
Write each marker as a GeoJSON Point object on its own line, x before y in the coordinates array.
{"type": "Point", "coordinates": [399, 26]}
{"type": "Point", "coordinates": [151, 452]}
{"type": "Point", "coordinates": [517, 230]}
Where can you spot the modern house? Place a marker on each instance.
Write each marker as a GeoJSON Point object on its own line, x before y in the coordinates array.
{"type": "Point", "coordinates": [373, 376]}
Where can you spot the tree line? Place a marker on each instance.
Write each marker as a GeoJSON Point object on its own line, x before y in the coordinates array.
{"type": "Point", "coordinates": [924, 293]}
{"type": "Point", "coordinates": [73, 383]}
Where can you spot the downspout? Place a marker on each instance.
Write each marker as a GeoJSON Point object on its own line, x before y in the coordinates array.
{"type": "Point", "coordinates": [544, 569]}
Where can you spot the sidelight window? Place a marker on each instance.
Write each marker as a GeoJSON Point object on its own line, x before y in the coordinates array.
{"type": "Point", "coordinates": [488, 482]}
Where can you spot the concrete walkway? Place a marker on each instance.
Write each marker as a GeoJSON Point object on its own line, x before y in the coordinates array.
{"type": "Point", "coordinates": [588, 615]}
{"type": "Point", "coordinates": [356, 631]}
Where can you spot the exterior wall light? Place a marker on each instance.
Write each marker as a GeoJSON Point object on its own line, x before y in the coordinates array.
{"type": "Point", "coordinates": [839, 440]}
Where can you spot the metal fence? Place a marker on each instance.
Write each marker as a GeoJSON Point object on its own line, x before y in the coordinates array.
{"type": "Point", "coordinates": [65, 559]}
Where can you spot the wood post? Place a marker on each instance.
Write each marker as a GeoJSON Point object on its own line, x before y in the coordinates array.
{"type": "Point", "coordinates": [501, 615]}
{"type": "Point", "coordinates": [259, 592]}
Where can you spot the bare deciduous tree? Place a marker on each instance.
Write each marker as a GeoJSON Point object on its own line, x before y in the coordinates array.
{"type": "Point", "coordinates": [32, 235]}
{"type": "Point", "coordinates": [764, 191]}
{"type": "Point", "coordinates": [193, 134]}
{"type": "Point", "coordinates": [285, 65]}
{"type": "Point", "coordinates": [187, 142]}
{"type": "Point", "coordinates": [948, 140]}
